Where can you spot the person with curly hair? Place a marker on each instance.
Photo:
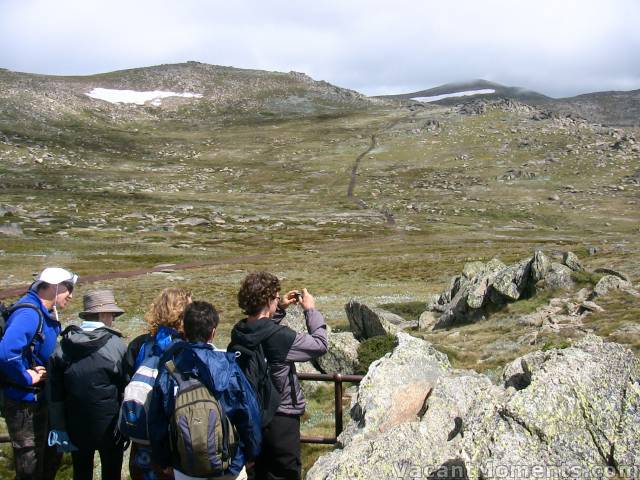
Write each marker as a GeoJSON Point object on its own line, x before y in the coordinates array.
{"type": "Point", "coordinates": [259, 297]}
{"type": "Point", "coordinates": [164, 318]}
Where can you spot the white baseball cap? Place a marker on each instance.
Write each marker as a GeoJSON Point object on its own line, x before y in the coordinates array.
{"type": "Point", "coordinates": [54, 276]}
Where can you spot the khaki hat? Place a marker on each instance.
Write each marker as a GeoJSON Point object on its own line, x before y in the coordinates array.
{"type": "Point", "coordinates": [100, 301]}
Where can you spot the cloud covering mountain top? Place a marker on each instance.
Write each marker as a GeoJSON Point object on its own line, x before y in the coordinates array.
{"type": "Point", "coordinates": [376, 47]}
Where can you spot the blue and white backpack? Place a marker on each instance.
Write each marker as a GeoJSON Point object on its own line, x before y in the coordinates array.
{"type": "Point", "coordinates": [134, 411]}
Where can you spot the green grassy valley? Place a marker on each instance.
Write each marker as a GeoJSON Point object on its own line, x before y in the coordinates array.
{"type": "Point", "coordinates": [256, 175]}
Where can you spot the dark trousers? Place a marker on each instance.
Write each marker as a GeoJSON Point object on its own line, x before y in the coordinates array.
{"type": "Point", "coordinates": [28, 425]}
{"type": "Point", "coordinates": [280, 456]}
{"type": "Point", "coordinates": [110, 461]}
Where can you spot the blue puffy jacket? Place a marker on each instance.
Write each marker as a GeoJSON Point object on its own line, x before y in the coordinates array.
{"type": "Point", "coordinates": [219, 372]}
{"type": "Point", "coordinates": [15, 358]}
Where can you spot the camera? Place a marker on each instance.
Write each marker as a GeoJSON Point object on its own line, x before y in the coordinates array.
{"type": "Point", "coordinates": [299, 296]}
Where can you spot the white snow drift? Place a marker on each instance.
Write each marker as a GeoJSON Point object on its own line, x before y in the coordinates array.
{"type": "Point", "coordinates": [132, 96]}
{"type": "Point", "coordinates": [435, 98]}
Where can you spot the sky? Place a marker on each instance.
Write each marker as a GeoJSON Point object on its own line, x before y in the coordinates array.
{"type": "Point", "coordinates": [557, 47]}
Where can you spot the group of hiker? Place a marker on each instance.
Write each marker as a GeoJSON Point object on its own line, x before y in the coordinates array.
{"type": "Point", "coordinates": [188, 409]}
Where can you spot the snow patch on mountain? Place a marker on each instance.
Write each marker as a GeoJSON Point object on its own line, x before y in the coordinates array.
{"type": "Point", "coordinates": [466, 93]}
{"type": "Point", "coordinates": [133, 96]}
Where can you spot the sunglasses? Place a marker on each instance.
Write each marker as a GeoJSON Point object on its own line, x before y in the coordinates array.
{"type": "Point", "coordinates": [69, 286]}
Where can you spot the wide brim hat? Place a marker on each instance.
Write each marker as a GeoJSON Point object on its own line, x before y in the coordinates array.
{"type": "Point", "coordinates": [54, 276]}
{"type": "Point", "coordinates": [98, 301]}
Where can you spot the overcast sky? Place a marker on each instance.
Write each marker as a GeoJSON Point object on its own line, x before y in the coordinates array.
{"type": "Point", "coordinates": [557, 47]}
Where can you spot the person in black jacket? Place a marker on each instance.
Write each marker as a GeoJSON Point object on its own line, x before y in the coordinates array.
{"type": "Point", "coordinates": [86, 386]}
{"type": "Point", "coordinates": [259, 297]}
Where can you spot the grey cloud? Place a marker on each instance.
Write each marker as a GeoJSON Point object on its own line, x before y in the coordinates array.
{"type": "Point", "coordinates": [375, 46]}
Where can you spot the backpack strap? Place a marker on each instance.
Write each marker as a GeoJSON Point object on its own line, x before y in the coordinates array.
{"type": "Point", "coordinates": [182, 378]}
{"type": "Point", "coordinates": [292, 385]}
{"type": "Point", "coordinates": [38, 334]}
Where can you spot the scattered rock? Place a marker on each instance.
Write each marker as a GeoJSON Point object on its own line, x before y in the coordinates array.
{"type": "Point", "coordinates": [7, 210]}
{"type": "Point", "coordinates": [571, 260]}
{"type": "Point", "coordinates": [590, 306]}
{"type": "Point", "coordinates": [194, 221]}
{"type": "Point", "coordinates": [11, 230]}
{"type": "Point", "coordinates": [609, 282]}
{"type": "Point", "coordinates": [427, 321]}
{"type": "Point", "coordinates": [608, 271]}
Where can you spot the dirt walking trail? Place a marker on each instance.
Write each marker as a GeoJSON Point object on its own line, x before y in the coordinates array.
{"type": "Point", "coordinates": [372, 145]}
{"type": "Point", "coordinates": [354, 170]}
{"type": "Point", "coordinates": [85, 279]}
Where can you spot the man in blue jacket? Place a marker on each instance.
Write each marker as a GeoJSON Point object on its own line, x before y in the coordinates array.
{"type": "Point", "coordinates": [29, 340]}
{"type": "Point", "coordinates": [217, 371]}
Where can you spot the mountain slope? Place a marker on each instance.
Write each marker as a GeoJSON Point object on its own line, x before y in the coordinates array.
{"type": "Point", "coordinates": [500, 91]}
{"type": "Point", "coordinates": [609, 108]}
{"type": "Point", "coordinates": [614, 108]}
{"type": "Point", "coordinates": [45, 100]}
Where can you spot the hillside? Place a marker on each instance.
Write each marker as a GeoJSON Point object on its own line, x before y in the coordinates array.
{"type": "Point", "coordinates": [498, 91]}
{"type": "Point", "coordinates": [49, 104]}
{"type": "Point", "coordinates": [607, 108]}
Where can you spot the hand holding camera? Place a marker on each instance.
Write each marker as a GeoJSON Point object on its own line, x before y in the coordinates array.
{"type": "Point", "coordinates": [299, 297]}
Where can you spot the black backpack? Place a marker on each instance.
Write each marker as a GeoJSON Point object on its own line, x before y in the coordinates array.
{"type": "Point", "coordinates": [255, 367]}
{"type": "Point", "coordinates": [5, 313]}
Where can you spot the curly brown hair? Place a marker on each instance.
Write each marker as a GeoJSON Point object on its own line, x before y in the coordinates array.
{"type": "Point", "coordinates": [256, 291]}
{"type": "Point", "coordinates": [168, 310]}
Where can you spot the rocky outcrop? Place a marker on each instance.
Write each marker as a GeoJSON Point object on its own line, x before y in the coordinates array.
{"type": "Point", "coordinates": [483, 286]}
{"type": "Point", "coordinates": [366, 322]}
{"type": "Point", "coordinates": [575, 408]}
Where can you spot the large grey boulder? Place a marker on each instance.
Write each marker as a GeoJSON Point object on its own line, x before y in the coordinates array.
{"type": "Point", "coordinates": [366, 322]}
{"type": "Point", "coordinates": [558, 277]}
{"type": "Point", "coordinates": [512, 281]}
{"type": "Point", "coordinates": [575, 408]}
{"type": "Point", "coordinates": [295, 319]}
{"type": "Point", "coordinates": [608, 283]}
{"type": "Point", "coordinates": [342, 355]}
{"type": "Point", "coordinates": [395, 387]}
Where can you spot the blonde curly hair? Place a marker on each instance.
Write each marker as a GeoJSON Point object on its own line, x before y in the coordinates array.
{"type": "Point", "coordinates": [168, 310]}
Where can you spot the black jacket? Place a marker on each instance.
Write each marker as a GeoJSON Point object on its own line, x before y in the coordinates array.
{"type": "Point", "coordinates": [86, 384]}
{"type": "Point", "coordinates": [282, 347]}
